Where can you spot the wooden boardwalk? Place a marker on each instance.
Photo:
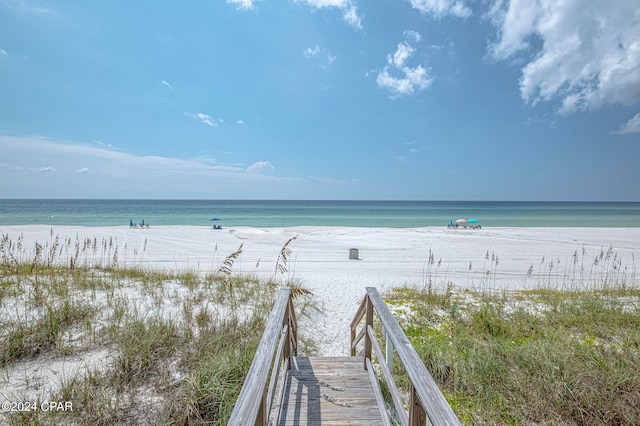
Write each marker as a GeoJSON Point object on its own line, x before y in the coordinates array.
{"type": "Point", "coordinates": [282, 388]}
{"type": "Point", "coordinates": [327, 390]}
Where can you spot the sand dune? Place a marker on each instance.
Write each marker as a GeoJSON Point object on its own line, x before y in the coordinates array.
{"type": "Point", "coordinates": [486, 259]}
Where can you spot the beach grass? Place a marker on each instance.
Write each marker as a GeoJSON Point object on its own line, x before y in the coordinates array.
{"type": "Point", "coordinates": [543, 356]}
{"type": "Point", "coordinates": [124, 344]}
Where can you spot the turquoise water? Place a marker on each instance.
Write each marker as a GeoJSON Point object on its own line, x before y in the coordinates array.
{"type": "Point", "coordinates": [398, 214]}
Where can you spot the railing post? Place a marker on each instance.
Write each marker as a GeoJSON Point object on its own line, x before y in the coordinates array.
{"type": "Point", "coordinates": [368, 322]}
{"type": "Point", "coordinates": [262, 418]}
{"type": "Point", "coordinates": [353, 338]}
{"type": "Point", "coordinates": [417, 416]}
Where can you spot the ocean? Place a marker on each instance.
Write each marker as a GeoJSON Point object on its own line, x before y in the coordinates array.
{"type": "Point", "coordinates": [269, 213]}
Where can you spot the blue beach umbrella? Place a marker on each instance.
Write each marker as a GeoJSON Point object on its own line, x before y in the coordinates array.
{"type": "Point", "coordinates": [473, 221]}
{"type": "Point", "coordinates": [130, 222]}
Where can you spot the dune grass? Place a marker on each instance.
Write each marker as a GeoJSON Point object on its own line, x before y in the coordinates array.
{"type": "Point", "coordinates": [123, 344]}
{"type": "Point", "coordinates": [544, 356]}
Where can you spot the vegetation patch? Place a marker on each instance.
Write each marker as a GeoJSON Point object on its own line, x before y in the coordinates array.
{"type": "Point", "coordinates": [121, 344]}
{"type": "Point", "coordinates": [528, 357]}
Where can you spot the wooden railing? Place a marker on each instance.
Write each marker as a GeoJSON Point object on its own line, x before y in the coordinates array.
{"type": "Point", "coordinates": [278, 343]}
{"type": "Point", "coordinates": [425, 398]}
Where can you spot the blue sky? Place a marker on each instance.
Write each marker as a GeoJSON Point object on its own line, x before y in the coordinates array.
{"type": "Point", "coordinates": [321, 99]}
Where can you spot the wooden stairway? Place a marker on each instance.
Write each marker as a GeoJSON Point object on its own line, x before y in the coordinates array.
{"type": "Point", "coordinates": [327, 390]}
{"type": "Point", "coordinates": [282, 388]}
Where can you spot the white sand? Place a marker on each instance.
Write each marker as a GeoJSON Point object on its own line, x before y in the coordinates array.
{"type": "Point", "coordinates": [486, 259]}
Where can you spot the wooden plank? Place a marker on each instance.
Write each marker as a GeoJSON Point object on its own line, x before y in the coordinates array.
{"type": "Point", "coordinates": [331, 390]}
{"type": "Point", "coordinates": [436, 406]}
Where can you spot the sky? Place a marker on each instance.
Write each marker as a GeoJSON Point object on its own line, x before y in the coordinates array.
{"type": "Point", "coordinates": [509, 100]}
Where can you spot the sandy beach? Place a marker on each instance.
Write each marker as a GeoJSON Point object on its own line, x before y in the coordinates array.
{"type": "Point", "coordinates": [480, 260]}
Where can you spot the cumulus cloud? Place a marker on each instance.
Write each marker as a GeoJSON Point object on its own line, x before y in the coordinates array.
{"type": "Point", "coordinates": [351, 17]}
{"type": "Point", "coordinates": [82, 171]}
{"type": "Point", "coordinates": [398, 77]}
{"type": "Point", "coordinates": [348, 7]}
{"type": "Point", "coordinates": [441, 8]}
{"type": "Point", "coordinates": [204, 118]}
{"type": "Point", "coordinates": [241, 122]}
{"type": "Point", "coordinates": [585, 54]}
{"type": "Point", "coordinates": [631, 126]}
{"type": "Point", "coordinates": [243, 4]}
{"type": "Point", "coordinates": [262, 167]}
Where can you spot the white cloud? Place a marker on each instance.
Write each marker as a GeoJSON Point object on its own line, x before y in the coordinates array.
{"type": "Point", "coordinates": [413, 35]}
{"type": "Point", "coordinates": [351, 17]}
{"type": "Point", "coordinates": [241, 122]}
{"type": "Point", "coordinates": [204, 118]}
{"type": "Point", "coordinates": [403, 52]}
{"type": "Point", "coordinates": [312, 52]}
{"type": "Point", "coordinates": [586, 54]}
{"type": "Point", "coordinates": [262, 167]}
{"type": "Point", "coordinates": [110, 163]}
{"type": "Point", "coordinates": [440, 8]}
{"type": "Point", "coordinates": [320, 53]}
{"type": "Point", "coordinates": [631, 126]}
{"type": "Point", "coordinates": [110, 173]}
{"type": "Point", "coordinates": [165, 83]}
{"type": "Point", "coordinates": [9, 166]}
{"type": "Point", "coordinates": [349, 10]}
{"type": "Point", "coordinates": [243, 4]}
{"type": "Point", "coordinates": [399, 78]}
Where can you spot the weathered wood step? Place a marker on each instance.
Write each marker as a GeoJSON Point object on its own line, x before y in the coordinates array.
{"type": "Point", "coordinates": [327, 390]}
